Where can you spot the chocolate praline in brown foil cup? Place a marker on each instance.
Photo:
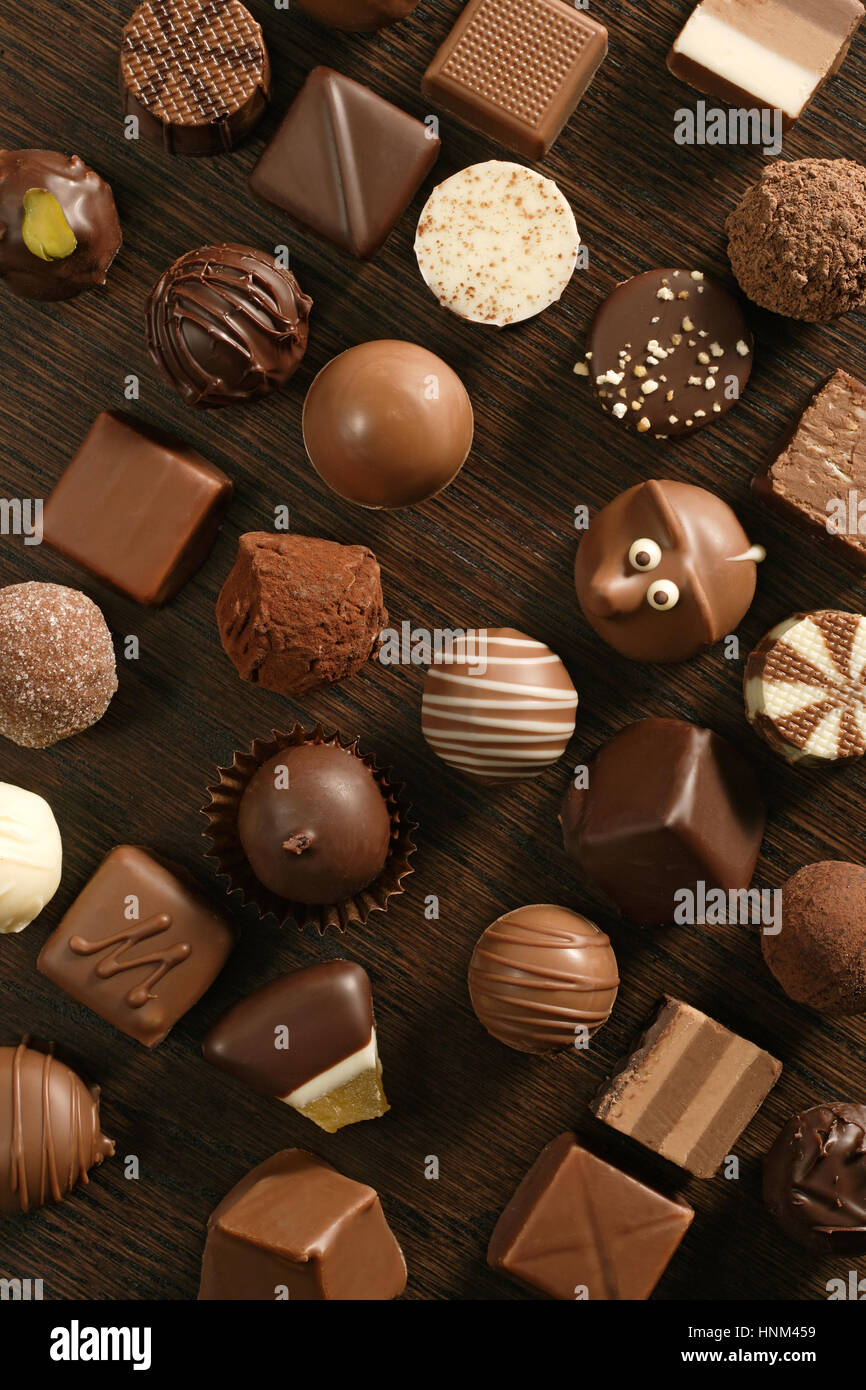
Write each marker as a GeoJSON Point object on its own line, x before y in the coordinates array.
{"type": "Point", "coordinates": [222, 832]}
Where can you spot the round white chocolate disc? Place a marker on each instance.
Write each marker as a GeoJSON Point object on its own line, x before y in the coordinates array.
{"type": "Point", "coordinates": [497, 243]}
{"type": "Point", "coordinates": [31, 856]}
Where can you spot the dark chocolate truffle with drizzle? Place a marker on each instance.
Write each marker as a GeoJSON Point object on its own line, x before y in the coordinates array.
{"type": "Point", "coordinates": [815, 1178]}
{"type": "Point", "coordinates": [225, 324]}
{"type": "Point", "coordinates": [314, 824]}
{"type": "Point", "coordinates": [49, 1129]}
{"type": "Point", "coordinates": [668, 352]}
{"type": "Point", "coordinates": [540, 975]}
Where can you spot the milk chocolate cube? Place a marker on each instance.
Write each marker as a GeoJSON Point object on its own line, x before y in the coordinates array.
{"type": "Point", "coordinates": [295, 1228]}
{"type": "Point", "coordinates": [139, 946]}
{"type": "Point", "coordinates": [668, 806]}
{"type": "Point", "coordinates": [775, 54]}
{"type": "Point", "coordinates": [578, 1228]}
{"type": "Point", "coordinates": [688, 1088]}
{"type": "Point", "coordinates": [137, 508]}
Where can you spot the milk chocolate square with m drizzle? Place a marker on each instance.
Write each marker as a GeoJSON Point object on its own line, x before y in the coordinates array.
{"type": "Point", "coordinates": [138, 946]}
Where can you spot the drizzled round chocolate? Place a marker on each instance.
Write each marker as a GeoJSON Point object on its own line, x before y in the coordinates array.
{"type": "Point", "coordinates": [664, 570]}
{"type": "Point", "coordinates": [542, 975]}
{"type": "Point", "coordinates": [49, 1129]}
{"type": "Point", "coordinates": [815, 1178]}
{"type": "Point", "coordinates": [59, 230]}
{"type": "Point", "coordinates": [668, 352]}
{"type": "Point", "coordinates": [225, 325]}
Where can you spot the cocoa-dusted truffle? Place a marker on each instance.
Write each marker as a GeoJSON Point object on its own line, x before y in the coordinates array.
{"type": "Point", "coordinates": [297, 612]}
{"type": "Point", "coordinates": [57, 671]}
{"type": "Point", "coordinates": [815, 1178]}
{"type": "Point", "coordinates": [797, 241]}
{"type": "Point", "coordinates": [819, 956]}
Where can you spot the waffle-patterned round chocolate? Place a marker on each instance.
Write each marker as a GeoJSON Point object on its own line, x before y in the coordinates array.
{"type": "Point", "coordinates": [195, 73]}
{"type": "Point", "coordinates": [805, 687]}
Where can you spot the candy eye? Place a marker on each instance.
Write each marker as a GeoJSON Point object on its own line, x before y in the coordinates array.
{"type": "Point", "coordinates": [644, 554]}
{"type": "Point", "coordinates": [663, 595]}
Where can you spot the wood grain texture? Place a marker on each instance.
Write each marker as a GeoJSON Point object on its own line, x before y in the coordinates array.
{"type": "Point", "coordinates": [496, 548]}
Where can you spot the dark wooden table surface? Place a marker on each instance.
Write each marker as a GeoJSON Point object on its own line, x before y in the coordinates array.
{"type": "Point", "coordinates": [496, 548]}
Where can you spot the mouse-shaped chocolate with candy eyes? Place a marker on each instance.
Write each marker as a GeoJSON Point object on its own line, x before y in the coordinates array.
{"type": "Point", "coordinates": [665, 570]}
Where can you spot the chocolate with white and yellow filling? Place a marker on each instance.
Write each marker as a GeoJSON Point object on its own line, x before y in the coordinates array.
{"type": "Point", "coordinates": [308, 1038]}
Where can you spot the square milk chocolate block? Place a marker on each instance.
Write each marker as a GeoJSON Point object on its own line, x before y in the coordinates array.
{"type": "Point", "coordinates": [769, 54]}
{"type": "Point", "coordinates": [579, 1228]}
{"type": "Point", "coordinates": [688, 1088]}
{"type": "Point", "coordinates": [344, 162]}
{"type": "Point", "coordinates": [516, 69]}
{"type": "Point", "coordinates": [138, 946]}
{"type": "Point", "coordinates": [137, 508]}
{"type": "Point", "coordinates": [819, 478]}
{"type": "Point", "coordinates": [294, 1228]}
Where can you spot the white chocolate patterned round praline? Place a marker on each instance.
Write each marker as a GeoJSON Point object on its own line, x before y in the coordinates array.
{"type": "Point", "coordinates": [498, 706]}
{"type": "Point", "coordinates": [497, 243]}
{"type": "Point", "coordinates": [31, 857]}
{"type": "Point", "coordinates": [805, 687]}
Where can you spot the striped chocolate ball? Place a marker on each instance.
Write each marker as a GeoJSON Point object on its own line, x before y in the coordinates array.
{"type": "Point", "coordinates": [498, 706]}
{"type": "Point", "coordinates": [540, 975]}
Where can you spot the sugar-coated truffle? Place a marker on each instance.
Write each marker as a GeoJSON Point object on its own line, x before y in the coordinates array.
{"type": "Point", "coordinates": [314, 824]}
{"type": "Point", "coordinates": [797, 240]}
{"type": "Point", "coordinates": [543, 977]}
{"type": "Point", "coordinates": [815, 1178]}
{"type": "Point", "coordinates": [819, 956]}
{"type": "Point", "coordinates": [31, 856]}
{"type": "Point", "coordinates": [57, 670]}
{"type": "Point", "coordinates": [297, 612]}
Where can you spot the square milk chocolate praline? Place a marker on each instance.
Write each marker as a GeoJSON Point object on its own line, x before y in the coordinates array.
{"type": "Point", "coordinates": [294, 1228]}
{"type": "Point", "coordinates": [139, 946]}
{"type": "Point", "coordinates": [579, 1228]}
{"type": "Point", "coordinates": [344, 162]}
{"type": "Point", "coordinates": [137, 508]}
{"type": "Point", "coordinates": [667, 806]}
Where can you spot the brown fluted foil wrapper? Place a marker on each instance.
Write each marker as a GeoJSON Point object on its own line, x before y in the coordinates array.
{"type": "Point", "coordinates": [222, 815]}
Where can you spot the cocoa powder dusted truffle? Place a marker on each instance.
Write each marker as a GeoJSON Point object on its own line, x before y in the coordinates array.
{"type": "Point", "coordinates": [797, 241]}
{"type": "Point", "coordinates": [57, 671]}
{"type": "Point", "coordinates": [819, 956]}
{"type": "Point", "coordinates": [297, 612]}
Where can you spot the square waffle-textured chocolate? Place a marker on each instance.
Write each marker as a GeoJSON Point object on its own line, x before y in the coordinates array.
{"type": "Point", "coordinates": [516, 69]}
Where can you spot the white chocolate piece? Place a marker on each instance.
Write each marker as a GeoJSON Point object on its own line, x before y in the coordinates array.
{"type": "Point", "coordinates": [31, 857]}
{"type": "Point", "coordinates": [779, 52]}
{"type": "Point", "coordinates": [497, 243]}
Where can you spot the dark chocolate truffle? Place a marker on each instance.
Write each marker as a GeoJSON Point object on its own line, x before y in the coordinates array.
{"type": "Point", "coordinates": [665, 349]}
{"type": "Point", "coordinates": [797, 240]}
{"type": "Point", "coordinates": [297, 613]}
{"type": "Point", "coordinates": [49, 1129]}
{"type": "Point", "coordinates": [387, 424]}
{"type": "Point", "coordinates": [819, 956]}
{"type": "Point", "coordinates": [540, 975]}
{"type": "Point", "coordinates": [815, 1178]}
{"type": "Point", "coordinates": [667, 806]}
{"type": "Point", "coordinates": [59, 230]}
{"type": "Point", "coordinates": [664, 570]}
{"type": "Point", "coordinates": [314, 824]}
{"type": "Point", "coordinates": [226, 324]}
{"type": "Point", "coordinates": [57, 671]}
